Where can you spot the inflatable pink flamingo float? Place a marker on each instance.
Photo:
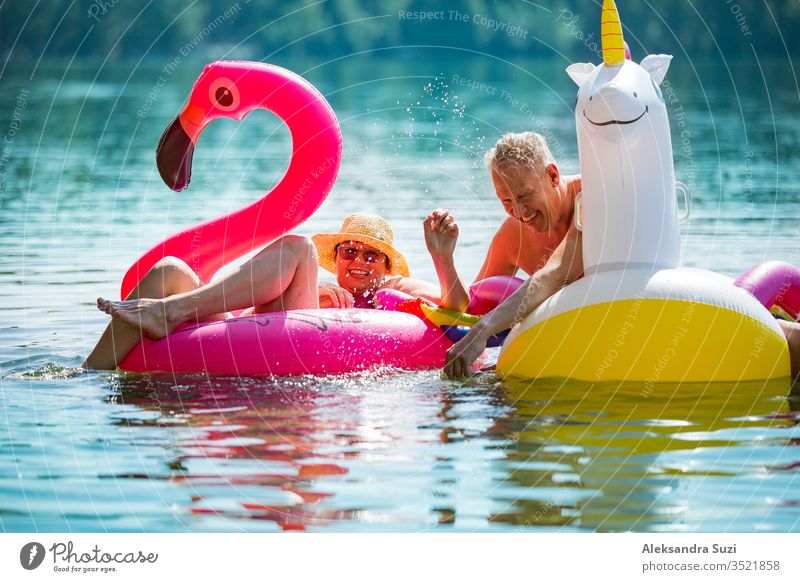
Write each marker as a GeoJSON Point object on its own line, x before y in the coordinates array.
{"type": "Point", "coordinates": [314, 341]}
{"type": "Point", "coordinates": [233, 89]}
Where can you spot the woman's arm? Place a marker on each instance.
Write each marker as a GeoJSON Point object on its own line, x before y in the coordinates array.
{"type": "Point", "coordinates": [564, 267]}
{"type": "Point", "coordinates": [441, 235]}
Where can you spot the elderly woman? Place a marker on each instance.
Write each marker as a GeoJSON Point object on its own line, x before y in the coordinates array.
{"type": "Point", "coordinates": [282, 276]}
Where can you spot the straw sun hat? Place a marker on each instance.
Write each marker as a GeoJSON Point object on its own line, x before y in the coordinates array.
{"type": "Point", "coordinates": [368, 229]}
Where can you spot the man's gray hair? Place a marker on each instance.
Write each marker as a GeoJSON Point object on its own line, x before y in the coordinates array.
{"type": "Point", "coordinates": [514, 150]}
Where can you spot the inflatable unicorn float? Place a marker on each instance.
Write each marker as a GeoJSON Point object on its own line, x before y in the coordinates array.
{"type": "Point", "coordinates": [637, 315]}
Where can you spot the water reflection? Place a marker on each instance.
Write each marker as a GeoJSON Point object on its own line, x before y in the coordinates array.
{"type": "Point", "coordinates": [604, 458]}
{"type": "Point", "coordinates": [248, 450]}
{"type": "Point", "coordinates": [305, 454]}
{"type": "Point", "coordinates": [282, 449]}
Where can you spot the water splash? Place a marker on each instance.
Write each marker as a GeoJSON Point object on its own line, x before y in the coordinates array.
{"type": "Point", "coordinates": [437, 116]}
{"type": "Point", "coordinates": [36, 370]}
{"type": "Point", "coordinates": [438, 123]}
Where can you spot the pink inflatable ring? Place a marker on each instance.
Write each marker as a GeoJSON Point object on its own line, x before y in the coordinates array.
{"type": "Point", "coordinates": [313, 341]}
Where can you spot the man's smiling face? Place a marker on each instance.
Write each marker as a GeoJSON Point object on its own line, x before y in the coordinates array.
{"type": "Point", "coordinates": [527, 196]}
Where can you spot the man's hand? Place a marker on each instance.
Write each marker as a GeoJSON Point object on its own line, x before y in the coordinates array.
{"type": "Point", "coordinates": [331, 295]}
{"type": "Point", "coordinates": [463, 353]}
{"type": "Point", "coordinates": [441, 233]}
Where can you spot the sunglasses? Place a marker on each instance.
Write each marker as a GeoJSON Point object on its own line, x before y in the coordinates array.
{"type": "Point", "coordinates": [350, 254]}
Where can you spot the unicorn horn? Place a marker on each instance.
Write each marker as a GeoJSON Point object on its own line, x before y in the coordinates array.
{"type": "Point", "coordinates": [611, 35]}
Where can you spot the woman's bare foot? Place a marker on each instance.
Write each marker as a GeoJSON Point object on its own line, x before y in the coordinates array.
{"type": "Point", "coordinates": [149, 315]}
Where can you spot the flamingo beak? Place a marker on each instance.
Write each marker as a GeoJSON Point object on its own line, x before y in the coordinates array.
{"type": "Point", "coordinates": [174, 156]}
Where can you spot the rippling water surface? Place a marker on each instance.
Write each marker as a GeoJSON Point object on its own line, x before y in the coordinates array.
{"type": "Point", "coordinates": [384, 450]}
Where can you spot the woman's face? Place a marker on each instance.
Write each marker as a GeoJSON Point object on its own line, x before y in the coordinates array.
{"type": "Point", "coordinates": [527, 196]}
{"type": "Point", "coordinates": [359, 267]}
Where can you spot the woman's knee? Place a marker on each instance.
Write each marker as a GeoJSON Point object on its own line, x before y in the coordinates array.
{"type": "Point", "coordinates": [170, 263]}
{"type": "Point", "coordinates": [175, 271]}
{"type": "Point", "coordinates": [297, 247]}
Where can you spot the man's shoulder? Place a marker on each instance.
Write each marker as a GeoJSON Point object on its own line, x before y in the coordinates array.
{"type": "Point", "coordinates": [510, 229]}
{"type": "Point", "coordinates": [574, 185]}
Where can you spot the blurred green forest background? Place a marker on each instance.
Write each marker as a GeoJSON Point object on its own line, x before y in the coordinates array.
{"type": "Point", "coordinates": [256, 29]}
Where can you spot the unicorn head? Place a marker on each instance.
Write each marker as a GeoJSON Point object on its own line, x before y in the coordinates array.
{"type": "Point", "coordinates": [629, 208]}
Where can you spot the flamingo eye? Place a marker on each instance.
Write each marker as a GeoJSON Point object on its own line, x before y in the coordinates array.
{"type": "Point", "coordinates": [224, 97]}
{"type": "Point", "coordinates": [224, 94]}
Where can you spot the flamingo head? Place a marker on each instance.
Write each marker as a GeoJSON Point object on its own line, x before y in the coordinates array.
{"type": "Point", "coordinates": [217, 93]}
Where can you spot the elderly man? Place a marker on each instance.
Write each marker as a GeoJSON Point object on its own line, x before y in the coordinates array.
{"type": "Point", "coordinates": [539, 202]}
{"type": "Point", "coordinates": [539, 237]}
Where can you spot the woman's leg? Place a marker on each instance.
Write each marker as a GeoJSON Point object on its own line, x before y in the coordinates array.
{"type": "Point", "coordinates": [167, 277]}
{"type": "Point", "coordinates": [282, 276]}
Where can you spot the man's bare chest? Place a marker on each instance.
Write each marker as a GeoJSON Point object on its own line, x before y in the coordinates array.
{"type": "Point", "coordinates": [534, 250]}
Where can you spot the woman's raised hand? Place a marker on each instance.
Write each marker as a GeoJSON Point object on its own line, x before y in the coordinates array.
{"type": "Point", "coordinates": [441, 233]}
{"type": "Point", "coordinates": [331, 295]}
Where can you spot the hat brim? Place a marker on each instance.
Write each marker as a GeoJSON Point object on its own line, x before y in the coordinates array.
{"type": "Point", "coordinates": [326, 248]}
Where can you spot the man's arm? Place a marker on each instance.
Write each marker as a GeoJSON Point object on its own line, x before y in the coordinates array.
{"type": "Point", "coordinates": [441, 235]}
{"type": "Point", "coordinates": [504, 245]}
{"type": "Point", "coordinates": [414, 287]}
{"type": "Point", "coordinates": [564, 266]}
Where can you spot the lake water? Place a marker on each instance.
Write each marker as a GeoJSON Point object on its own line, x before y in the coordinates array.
{"type": "Point", "coordinates": [383, 450]}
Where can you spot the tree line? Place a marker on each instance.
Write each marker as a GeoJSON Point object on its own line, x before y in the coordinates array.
{"type": "Point", "coordinates": [130, 29]}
